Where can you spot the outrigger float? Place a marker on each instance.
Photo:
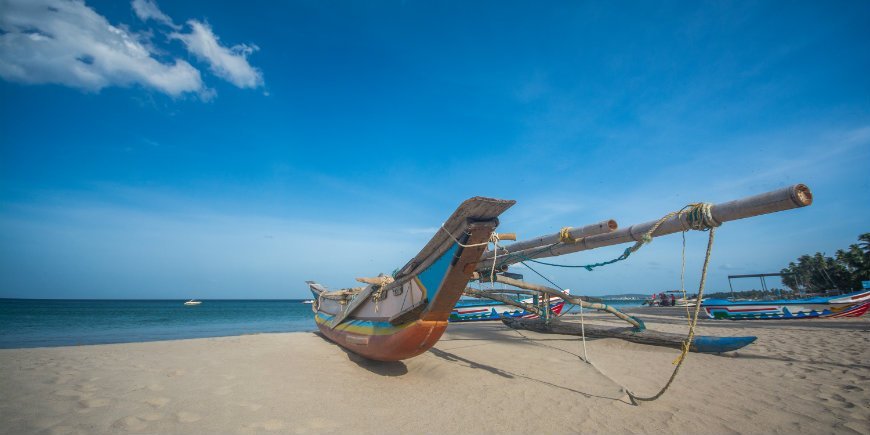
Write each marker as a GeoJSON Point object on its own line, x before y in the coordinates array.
{"type": "Point", "coordinates": [397, 317]}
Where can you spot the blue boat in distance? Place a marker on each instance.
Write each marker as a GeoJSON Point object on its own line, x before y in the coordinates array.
{"type": "Point", "coordinates": [850, 305]}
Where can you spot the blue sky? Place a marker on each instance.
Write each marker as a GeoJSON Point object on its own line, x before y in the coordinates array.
{"type": "Point", "coordinates": [211, 150]}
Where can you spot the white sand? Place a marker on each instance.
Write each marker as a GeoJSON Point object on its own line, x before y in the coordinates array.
{"type": "Point", "coordinates": [805, 376]}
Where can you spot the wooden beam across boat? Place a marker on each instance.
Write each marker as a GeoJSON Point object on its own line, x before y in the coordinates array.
{"type": "Point", "coordinates": [569, 233]}
{"type": "Point", "coordinates": [787, 198]}
{"type": "Point", "coordinates": [702, 344]}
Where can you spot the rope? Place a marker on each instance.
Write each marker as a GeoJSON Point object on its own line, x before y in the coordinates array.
{"type": "Point", "coordinates": [699, 217]}
{"type": "Point", "coordinates": [493, 238]}
{"type": "Point", "coordinates": [687, 344]}
{"type": "Point", "coordinates": [378, 294]}
{"type": "Point", "coordinates": [583, 334]}
{"type": "Point", "coordinates": [565, 236]}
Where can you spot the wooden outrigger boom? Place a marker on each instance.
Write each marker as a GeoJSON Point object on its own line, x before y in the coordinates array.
{"type": "Point", "coordinates": [398, 317]}
{"type": "Point", "coordinates": [787, 198]}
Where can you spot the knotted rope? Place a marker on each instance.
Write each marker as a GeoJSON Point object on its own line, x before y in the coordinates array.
{"type": "Point", "coordinates": [493, 238]}
{"type": "Point", "coordinates": [565, 236]}
{"type": "Point", "coordinates": [699, 218]}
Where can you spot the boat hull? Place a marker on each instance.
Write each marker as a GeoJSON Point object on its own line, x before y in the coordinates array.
{"type": "Point", "coordinates": [407, 313]}
{"type": "Point", "coordinates": [383, 341]}
{"type": "Point", "coordinates": [851, 305]}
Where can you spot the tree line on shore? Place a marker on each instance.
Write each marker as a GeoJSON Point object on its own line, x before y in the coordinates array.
{"type": "Point", "coordinates": [819, 273]}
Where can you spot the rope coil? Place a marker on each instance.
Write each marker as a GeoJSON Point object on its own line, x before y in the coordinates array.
{"type": "Point", "coordinates": [565, 236]}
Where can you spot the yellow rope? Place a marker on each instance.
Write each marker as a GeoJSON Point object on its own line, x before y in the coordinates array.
{"type": "Point", "coordinates": [565, 235]}
{"type": "Point", "coordinates": [687, 344]}
{"type": "Point", "coordinates": [494, 239]}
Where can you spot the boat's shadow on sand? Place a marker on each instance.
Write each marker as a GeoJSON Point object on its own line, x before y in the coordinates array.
{"type": "Point", "coordinates": [382, 368]}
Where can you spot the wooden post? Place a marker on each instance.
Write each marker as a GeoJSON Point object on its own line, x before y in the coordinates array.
{"type": "Point", "coordinates": [576, 300]}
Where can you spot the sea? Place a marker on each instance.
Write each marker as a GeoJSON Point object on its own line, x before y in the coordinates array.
{"type": "Point", "coordinates": [55, 322]}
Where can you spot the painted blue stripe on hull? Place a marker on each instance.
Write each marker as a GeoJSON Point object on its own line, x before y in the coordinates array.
{"type": "Point", "coordinates": [433, 275]}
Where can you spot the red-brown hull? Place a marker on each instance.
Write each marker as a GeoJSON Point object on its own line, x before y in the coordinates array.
{"type": "Point", "coordinates": [406, 342]}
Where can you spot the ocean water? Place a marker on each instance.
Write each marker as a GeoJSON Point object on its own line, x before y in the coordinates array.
{"type": "Point", "coordinates": [53, 322]}
{"type": "Point", "coordinates": [40, 322]}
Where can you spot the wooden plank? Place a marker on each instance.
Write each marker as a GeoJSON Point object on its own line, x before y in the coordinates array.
{"type": "Point", "coordinates": [477, 209]}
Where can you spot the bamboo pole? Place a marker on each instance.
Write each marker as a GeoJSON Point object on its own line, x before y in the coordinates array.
{"type": "Point", "coordinates": [602, 227]}
{"type": "Point", "coordinates": [576, 300]}
{"type": "Point", "coordinates": [501, 298]}
{"type": "Point", "coordinates": [787, 198]}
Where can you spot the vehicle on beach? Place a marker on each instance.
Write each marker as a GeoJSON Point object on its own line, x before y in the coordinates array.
{"type": "Point", "coordinates": [670, 298]}
{"type": "Point", "coordinates": [192, 302]}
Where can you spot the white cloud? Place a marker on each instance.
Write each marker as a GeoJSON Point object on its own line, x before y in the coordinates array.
{"type": "Point", "coordinates": [66, 42]}
{"type": "Point", "coordinates": [148, 10]}
{"type": "Point", "coordinates": [229, 63]}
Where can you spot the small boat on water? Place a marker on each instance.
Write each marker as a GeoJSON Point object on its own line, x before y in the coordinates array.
{"type": "Point", "coordinates": [308, 301]}
{"type": "Point", "coordinates": [192, 302]}
{"type": "Point", "coordinates": [849, 305]}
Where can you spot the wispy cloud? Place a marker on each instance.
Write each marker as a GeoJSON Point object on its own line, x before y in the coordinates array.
{"type": "Point", "coordinates": [148, 10]}
{"type": "Point", "coordinates": [69, 43]}
{"type": "Point", "coordinates": [229, 63]}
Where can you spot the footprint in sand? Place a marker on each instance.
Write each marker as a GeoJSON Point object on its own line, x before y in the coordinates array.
{"type": "Point", "coordinates": [151, 416]}
{"type": "Point", "coordinates": [316, 425]}
{"type": "Point", "coordinates": [250, 406]}
{"type": "Point", "coordinates": [64, 430]}
{"type": "Point", "coordinates": [268, 425]}
{"type": "Point", "coordinates": [157, 402]}
{"type": "Point", "coordinates": [187, 417]}
{"type": "Point", "coordinates": [93, 403]}
{"type": "Point", "coordinates": [223, 391]}
{"type": "Point", "coordinates": [130, 423]}
{"type": "Point", "coordinates": [71, 393]}
{"type": "Point", "coordinates": [87, 388]}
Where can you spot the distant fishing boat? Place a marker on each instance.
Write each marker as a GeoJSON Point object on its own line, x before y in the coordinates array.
{"type": "Point", "coordinates": [850, 305]}
{"type": "Point", "coordinates": [192, 302]}
{"type": "Point", "coordinates": [308, 301]}
{"type": "Point", "coordinates": [476, 310]}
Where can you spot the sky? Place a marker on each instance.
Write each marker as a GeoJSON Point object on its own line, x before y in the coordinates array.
{"type": "Point", "coordinates": [237, 149]}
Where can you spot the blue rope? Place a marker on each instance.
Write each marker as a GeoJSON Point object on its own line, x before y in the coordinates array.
{"type": "Point", "coordinates": [588, 267]}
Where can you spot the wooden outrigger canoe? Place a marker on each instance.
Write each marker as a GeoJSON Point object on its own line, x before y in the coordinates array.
{"type": "Point", "coordinates": [849, 305]}
{"type": "Point", "coordinates": [401, 316]}
{"type": "Point", "coordinates": [406, 315]}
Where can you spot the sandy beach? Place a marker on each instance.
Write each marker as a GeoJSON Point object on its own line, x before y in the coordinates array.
{"type": "Point", "coordinates": [801, 376]}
